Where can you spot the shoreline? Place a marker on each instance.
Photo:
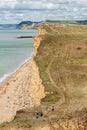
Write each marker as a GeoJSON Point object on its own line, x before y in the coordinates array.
{"type": "Point", "coordinates": [6, 76]}
{"type": "Point", "coordinates": [7, 68]}
{"type": "Point", "coordinates": [14, 91]}
{"type": "Point", "coordinates": [22, 89]}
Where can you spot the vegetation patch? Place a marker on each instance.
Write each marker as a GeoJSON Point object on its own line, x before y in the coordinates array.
{"type": "Point", "coordinates": [58, 58]}
{"type": "Point", "coordinates": [82, 61]}
{"type": "Point", "coordinates": [2, 125]}
{"type": "Point", "coordinates": [23, 122]}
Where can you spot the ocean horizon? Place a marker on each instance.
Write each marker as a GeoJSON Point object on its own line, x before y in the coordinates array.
{"type": "Point", "coordinates": [13, 51]}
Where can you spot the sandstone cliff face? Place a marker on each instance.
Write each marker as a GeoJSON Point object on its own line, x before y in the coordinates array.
{"type": "Point", "coordinates": [39, 38]}
{"type": "Point", "coordinates": [41, 31]}
{"type": "Point", "coordinates": [36, 86]}
{"type": "Point", "coordinates": [37, 41]}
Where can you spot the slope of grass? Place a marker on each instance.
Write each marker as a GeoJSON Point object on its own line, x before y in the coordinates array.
{"type": "Point", "coordinates": [65, 45]}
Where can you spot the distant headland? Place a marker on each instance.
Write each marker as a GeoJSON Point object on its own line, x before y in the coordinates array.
{"type": "Point", "coordinates": [35, 25]}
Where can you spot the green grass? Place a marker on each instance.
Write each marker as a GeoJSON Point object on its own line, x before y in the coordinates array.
{"type": "Point", "coordinates": [2, 125]}
{"type": "Point", "coordinates": [82, 61]}
{"type": "Point", "coordinates": [23, 122]}
{"type": "Point", "coordinates": [62, 44]}
{"type": "Point", "coordinates": [51, 98]}
{"type": "Point", "coordinates": [70, 22]}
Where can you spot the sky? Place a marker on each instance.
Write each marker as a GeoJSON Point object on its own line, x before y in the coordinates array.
{"type": "Point", "coordinates": [15, 11]}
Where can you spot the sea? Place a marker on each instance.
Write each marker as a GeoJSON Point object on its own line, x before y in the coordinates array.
{"type": "Point", "coordinates": [14, 51]}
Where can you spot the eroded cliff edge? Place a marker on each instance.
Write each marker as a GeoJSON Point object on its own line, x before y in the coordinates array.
{"type": "Point", "coordinates": [21, 90]}
{"type": "Point", "coordinates": [36, 86]}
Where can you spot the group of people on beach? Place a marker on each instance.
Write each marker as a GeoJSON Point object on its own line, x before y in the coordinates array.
{"type": "Point", "coordinates": [40, 114]}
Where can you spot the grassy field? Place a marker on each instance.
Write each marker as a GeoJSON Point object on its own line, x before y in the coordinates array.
{"type": "Point", "coordinates": [62, 61]}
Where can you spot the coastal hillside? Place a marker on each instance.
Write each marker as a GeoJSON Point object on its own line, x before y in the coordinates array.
{"type": "Point", "coordinates": [35, 24]}
{"type": "Point", "coordinates": [62, 61]}
{"type": "Point", "coordinates": [61, 57]}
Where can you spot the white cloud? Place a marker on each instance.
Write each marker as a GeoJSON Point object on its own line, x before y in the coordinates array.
{"type": "Point", "coordinates": [38, 4]}
{"type": "Point", "coordinates": [13, 4]}
{"type": "Point", "coordinates": [18, 10]}
{"type": "Point", "coordinates": [4, 4]}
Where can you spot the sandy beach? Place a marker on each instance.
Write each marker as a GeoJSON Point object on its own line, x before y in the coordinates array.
{"type": "Point", "coordinates": [14, 92]}
{"type": "Point", "coordinates": [21, 90]}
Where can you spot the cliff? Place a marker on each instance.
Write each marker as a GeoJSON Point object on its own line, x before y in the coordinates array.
{"type": "Point", "coordinates": [23, 89]}
{"type": "Point", "coordinates": [60, 63]}
{"type": "Point", "coordinates": [36, 86]}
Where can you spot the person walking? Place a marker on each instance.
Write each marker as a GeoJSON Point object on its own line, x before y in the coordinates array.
{"type": "Point", "coordinates": [52, 108]}
{"type": "Point", "coordinates": [46, 107]}
{"type": "Point", "coordinates": [41, 114]}
{"type": "Point", "coordinates": [37, 115]}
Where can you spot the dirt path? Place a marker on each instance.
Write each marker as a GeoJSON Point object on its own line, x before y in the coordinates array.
{"type": "Point", "coordinates": [58, 90]}
{"type": "Point", "coordinates": [62, 105]}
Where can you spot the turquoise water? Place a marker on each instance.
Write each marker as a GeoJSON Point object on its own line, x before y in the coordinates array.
{"type": "Point", "coordinates": [13, 51]}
